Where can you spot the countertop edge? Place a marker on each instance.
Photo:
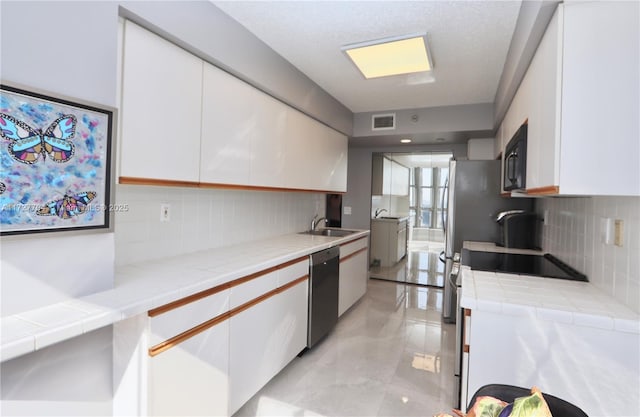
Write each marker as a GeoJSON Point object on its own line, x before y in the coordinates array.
{"type": "Point", "coordinates": [23, 334]}
{"type": "Point", "coordinates": [476, 296]}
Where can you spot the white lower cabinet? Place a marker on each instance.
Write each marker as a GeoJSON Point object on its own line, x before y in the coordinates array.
{"type": "Point", "coordinates": [353, 274]}
{"type": "Point", "coordinates": [526, 350]}
{"type": "Point", "coordinates": [263, 340]}
{"type": "Point", "coordinates": [212, 351]}
{"type": "Point", "coordinates": [388, 240]}
{"type": "Point", "coordinates": [191, 377]}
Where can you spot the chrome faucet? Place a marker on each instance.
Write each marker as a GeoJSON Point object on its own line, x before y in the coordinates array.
{"type": "Point", "coordinates": [379, 212]}
{"type": "Point", "coordinates": [314, 222]}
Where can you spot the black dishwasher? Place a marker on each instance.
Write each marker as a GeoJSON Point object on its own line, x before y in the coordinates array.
{"type": "Point", "coordinates": [323, 293]}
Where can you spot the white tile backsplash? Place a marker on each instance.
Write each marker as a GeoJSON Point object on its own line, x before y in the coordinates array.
{"type": "Point", "coordinates": [204, 219]}
{"type": "Point", "coordinates": [574, 235]}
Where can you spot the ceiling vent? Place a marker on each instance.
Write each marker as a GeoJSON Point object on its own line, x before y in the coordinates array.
{"type": "Point", "coordinates": [383, 121]}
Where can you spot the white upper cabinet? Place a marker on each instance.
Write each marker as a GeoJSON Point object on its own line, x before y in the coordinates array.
{"type": "Point", "coordinates": [316, 155]}
{"type": "Point", "coordinates": [229, 121]}
{"type": "Point", "coordinates": [389, 177]}
{"type": "Point", "coordinates": [543, 130]}
{"type": "Point", "coordinates": [581, 98]}
{"type": "Point", "coordinates": [161, 101]}
{"type": "Point", "coordinates": [184, 119]}
{"type": "Point", "coordinates": [600, 99]}
{"type": "Point", "coordinates": [399, 179]}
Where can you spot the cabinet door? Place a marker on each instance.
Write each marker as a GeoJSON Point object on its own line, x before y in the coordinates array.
{"type": "Point", "coordinates": [402, 241]}
{"type": "Point", "coordinates": [353, 278]}
{"type": "Point", "coordinates": [316, 155]}
{"type": "Point", "coordinates": [298, 155]}
{"type": "Point", "coordinates": [386, 176]}
{"type": "Point", "coordinates": [264, 339]}
{"type": "Point", "coordinates": [229, 122]}
{"type": "Point", "coordinates": [161, 98]}
{"type": "Point", "coordinates": [600, 149]}
{"type": "Point", "coordinates": [269, 145]}
{"type": "Point", "coordinates": [190, 378]}
{"type": "Point", "coordinates": [543, 136]}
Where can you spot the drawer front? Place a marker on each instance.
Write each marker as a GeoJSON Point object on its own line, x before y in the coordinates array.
{"type": "Point", "coordinates": [254, 288]}
{"type": "Point", "coordinates": [351, 247]}
{"type": "Point", "coordinates": [293, 272]}
{"type": "Point", "coordinates": [178, 320]}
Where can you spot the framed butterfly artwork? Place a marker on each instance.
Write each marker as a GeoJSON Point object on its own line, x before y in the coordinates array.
{"type": "Point", "coordinates": [55, 163]}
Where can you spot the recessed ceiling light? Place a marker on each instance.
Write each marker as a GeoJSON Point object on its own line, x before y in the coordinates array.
{"type": "Point", "coordinates": [405, 140]}
{"type": "Point", "coordinates": [391, 56]}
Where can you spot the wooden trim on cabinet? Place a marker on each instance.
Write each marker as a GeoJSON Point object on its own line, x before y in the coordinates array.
{"type": "Point", "coordinates": [262, 188]}
{"type": "Point", "coordinates": [188, 334]}
{"type": "Point", "coordinates": [187, 300]}
{"type": "Point", "coordinates": [551, 189]}
{"type": "Point", "coordinates": [351, 255]}
{"type": "Point", "coordinates": [157, 182]}
{"type": "Point", "coordinates": [465, 345]}
{"type": "Point", "coordinates": [266, 296]}
{"type": "Point", "coordinates": [208, 185]}
{"type": "Point", "coordinates": [218, 288]}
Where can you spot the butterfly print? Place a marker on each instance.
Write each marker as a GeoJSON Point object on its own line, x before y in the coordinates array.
{"type": "Point", "coordinates": [68, 206]}
{"type": "Point", "coordinates": [28, 143]}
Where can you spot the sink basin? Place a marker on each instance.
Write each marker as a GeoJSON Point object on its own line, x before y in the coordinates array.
{"type": "Point", "coordinates": [329, 232]}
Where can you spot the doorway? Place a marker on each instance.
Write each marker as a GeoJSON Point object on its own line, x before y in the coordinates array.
{"type": "Point", "coordinates": [425, 209]}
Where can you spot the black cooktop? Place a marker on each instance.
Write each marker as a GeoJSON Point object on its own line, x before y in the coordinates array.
{"type": "Point", "coordinates": [537, 265]}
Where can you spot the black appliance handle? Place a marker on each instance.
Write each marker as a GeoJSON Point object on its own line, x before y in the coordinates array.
{"type": "Point", "coordinates": [511, 167]}
{"type": "Point", "coordinates": [442, 257]}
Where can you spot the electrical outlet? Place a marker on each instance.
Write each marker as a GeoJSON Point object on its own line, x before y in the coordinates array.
{"type": "Point", "coordinates": [346, 210]}
{"type": "Point", "coordinates": [165, 212]}
{"type": "Point", "coordinates": [606, 230]}
{"type": "Point", "coordinates": [619, 232]}
{"type": "Point", "coordinates": [545, 219]}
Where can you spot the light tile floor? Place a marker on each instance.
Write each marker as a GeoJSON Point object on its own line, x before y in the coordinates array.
{"type": "Point", "coordinates": [421, 266]}
{"type": "Point", "coordinates": [390, 355]}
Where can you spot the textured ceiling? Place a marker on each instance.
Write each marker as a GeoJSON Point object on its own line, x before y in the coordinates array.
{"type": "Point", "coordinates": [468, 41]}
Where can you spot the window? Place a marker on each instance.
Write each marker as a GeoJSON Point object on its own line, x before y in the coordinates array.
{"type": "Point", "coordinates": [427, 207]}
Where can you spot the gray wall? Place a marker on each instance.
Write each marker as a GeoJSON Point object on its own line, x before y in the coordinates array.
{"type": "Point", "coordinates": [532, 21]}
{"type": "Point", "coordinates": [70, 48]}
{"type": "Point", "coordinates": [358, 195]}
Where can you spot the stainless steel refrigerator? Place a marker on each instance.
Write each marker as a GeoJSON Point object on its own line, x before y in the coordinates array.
{"type": "Point", "coordinates": [473, 195]}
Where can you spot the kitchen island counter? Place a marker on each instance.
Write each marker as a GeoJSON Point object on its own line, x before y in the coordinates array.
{"type": "Point", "coordinates": [569, 338]}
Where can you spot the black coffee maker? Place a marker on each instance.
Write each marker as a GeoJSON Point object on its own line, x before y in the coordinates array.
{"type": "Point", "coordinates": [519, 229]}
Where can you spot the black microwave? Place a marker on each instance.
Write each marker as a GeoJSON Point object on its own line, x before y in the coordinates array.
{"type": "Point", "coordinates": [515, 161]}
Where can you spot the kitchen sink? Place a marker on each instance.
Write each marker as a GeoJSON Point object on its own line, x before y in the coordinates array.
{"type": "Point", "coordinates": [329, 232]}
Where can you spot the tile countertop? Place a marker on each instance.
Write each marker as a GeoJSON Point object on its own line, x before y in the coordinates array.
{"type": "Point", "coordinates": [549, 299]}
{"type": "Point", "coordinates": [143, 286]}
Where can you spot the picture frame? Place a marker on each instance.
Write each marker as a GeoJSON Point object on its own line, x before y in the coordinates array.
{"type": "Point", "coordinates": [55, 163]}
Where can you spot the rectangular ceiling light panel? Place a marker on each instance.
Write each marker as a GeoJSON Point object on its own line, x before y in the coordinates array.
{"type": "Point", "coordinates": [391, 56]}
